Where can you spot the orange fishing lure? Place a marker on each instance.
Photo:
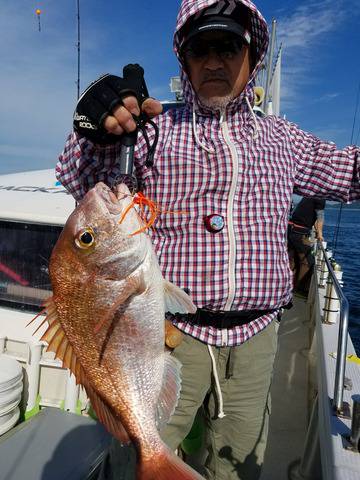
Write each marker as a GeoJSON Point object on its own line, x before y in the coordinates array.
{"type": "Point", "coordinates": [142, 201]}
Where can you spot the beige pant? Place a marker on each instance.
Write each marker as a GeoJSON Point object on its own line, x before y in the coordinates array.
{"type": "Point", "coordinates": [236, 443]}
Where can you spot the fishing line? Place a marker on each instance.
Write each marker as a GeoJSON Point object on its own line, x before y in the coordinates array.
{"type": "Point", "coordinates": [357, 137]}
{"type": "Point", "coordinates": [358, 134]}
{"type": "Point", "coordinates": [337, 228]}
{"type": "Point", "coordinates": [355, 114]}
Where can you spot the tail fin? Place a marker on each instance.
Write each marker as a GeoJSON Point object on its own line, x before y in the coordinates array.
{"type": "Point", "coordinates": [166, 466]}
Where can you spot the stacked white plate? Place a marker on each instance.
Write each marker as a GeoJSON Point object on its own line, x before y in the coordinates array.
{"type": "Point", "coordinates": [11, 385]}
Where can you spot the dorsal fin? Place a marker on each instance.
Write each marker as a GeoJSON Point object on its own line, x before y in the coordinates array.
{"type": "Point", "coordinates": [170, 390]}
{"type": "Point", "coordinates": [58, 343]}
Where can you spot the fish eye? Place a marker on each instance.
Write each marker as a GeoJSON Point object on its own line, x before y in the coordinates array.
{"type": "Point", "coordinates": [85, 238]}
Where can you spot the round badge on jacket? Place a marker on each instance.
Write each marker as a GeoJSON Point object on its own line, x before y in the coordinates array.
{"type": "Point", "coordinates": [214, 223]}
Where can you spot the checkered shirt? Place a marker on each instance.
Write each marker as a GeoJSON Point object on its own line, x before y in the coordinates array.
{"type": "Point", "coordinates": [249, 179]}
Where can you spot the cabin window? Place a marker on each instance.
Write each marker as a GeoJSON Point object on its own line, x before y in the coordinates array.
{"type": "Point", "coordinates": [25, 250]}
{"type": "Point", "coordinates": [171, 105]}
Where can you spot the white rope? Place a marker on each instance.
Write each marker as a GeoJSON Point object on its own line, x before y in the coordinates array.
{"type": "Point", "coordinates": [221, 413]}
{"type": "Point", "coordinates": [256, 125]}
{"type": "Point", "coordinates": [197, 140]}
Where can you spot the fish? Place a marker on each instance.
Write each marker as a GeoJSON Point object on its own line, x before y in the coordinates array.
{"type": "Point", "coordinates": [105, 322]}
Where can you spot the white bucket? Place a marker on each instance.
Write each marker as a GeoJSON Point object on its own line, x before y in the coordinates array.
{"type": "Point", "coordinates": [11, 385]}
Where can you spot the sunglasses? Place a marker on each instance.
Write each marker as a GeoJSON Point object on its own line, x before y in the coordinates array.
{"type": "Point", "coordinates": [226, 49]}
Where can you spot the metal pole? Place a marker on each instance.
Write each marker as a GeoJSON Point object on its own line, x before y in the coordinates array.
{"type": "Point", "coordinates": [33, 373]}
{"type": "Point", "coordinates": [71, 393]}
{"type": "Point", "coordinates": [334, 303]}
{"type": "Point", "coordinates": [319, 255]}
{"type": "Point", "coordinates": [269, 67]}
{"type": "Point", "coordinates": [355, 424]}
{"type": "Point", "coordinates": [78, 48]}
{"type": "Point", "coordinates": [342, 340]}
{"type": "Point", "coordinates": [341, 355]}
{"type": "Point", "coordinates": [326, 309]}
{"type": "Point", "coordinates": [324, 271]}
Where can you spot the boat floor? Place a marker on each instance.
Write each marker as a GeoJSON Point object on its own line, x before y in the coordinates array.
{"type": "Point", "coordinates": [290, 395]}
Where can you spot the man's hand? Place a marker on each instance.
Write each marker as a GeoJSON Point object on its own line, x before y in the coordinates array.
{"type": "Point", "coordinates": [122, 119]}
{"type": "Point", "coordinates": [107, 108]}
{"type": "Point", "coordinates": [319, 223]}
{"type": "Point", "coordinates": [173, 336]}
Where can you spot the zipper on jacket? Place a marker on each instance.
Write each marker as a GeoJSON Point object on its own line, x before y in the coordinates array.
{"type": "Point", "coordinates": [230, 216]}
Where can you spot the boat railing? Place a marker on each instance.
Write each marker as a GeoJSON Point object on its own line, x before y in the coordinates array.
{"type": "Point", "coordinates": [333, 435]}
{"type": "Point", "coordinates": [334, 293]}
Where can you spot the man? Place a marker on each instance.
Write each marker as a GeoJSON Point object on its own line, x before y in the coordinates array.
{"type": "Point", "coordinates": [308, 214]}
{"type": "Point", "coordinates": [234, 175]}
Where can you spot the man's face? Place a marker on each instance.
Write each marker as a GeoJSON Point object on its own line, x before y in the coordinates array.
{"type": "Point", "coordinates": [218, 66]}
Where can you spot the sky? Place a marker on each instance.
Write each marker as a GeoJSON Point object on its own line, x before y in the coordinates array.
{"type": "Point", "coordinates": [320, 68]}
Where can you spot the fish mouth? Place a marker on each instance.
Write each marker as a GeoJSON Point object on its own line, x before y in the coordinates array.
{"type": "Point", "coordinates": [113, 198]}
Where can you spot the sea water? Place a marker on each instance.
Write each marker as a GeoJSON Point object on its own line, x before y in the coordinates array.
{"type": "Point", "coordinates": [346, 252]}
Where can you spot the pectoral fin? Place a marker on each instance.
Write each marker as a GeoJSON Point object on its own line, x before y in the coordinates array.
{"type": "Point", "coordinates": [176, 300]}
{"type": "Point", "coordinates": [133, 286]}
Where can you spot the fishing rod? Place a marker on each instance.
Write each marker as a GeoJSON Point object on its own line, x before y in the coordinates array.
{"type": "Point", "coordinates": [134, 76]}
{"type": "Point", "coordinates": [269, 69]}
{"type": "Point", "coordinates": [78, 47]}
{"type": "Point", "coordinates": [337, 229]}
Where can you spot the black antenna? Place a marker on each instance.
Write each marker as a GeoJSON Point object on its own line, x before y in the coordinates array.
{"type": "Point", "coordinates": [78, 48]}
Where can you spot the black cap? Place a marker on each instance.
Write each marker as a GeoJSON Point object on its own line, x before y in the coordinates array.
{"type": "Point", "coordinates": [230, 20]}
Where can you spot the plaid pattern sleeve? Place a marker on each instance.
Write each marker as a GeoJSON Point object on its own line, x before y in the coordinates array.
{"type": "Point", "coordinates": [67, 167]}
{"type": "Point", "coordinates": [82, 164]}
{"type": "Point", "coordinates": [324, 170]}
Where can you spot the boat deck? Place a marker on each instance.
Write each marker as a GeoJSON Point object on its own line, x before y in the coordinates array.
{"type": "Point", "coordinates": [290, 394]}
